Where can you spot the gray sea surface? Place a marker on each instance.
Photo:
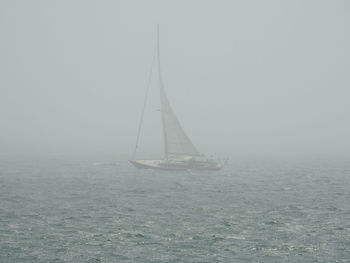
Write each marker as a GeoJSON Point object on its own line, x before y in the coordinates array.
{"type": "Point", "coordinates": [251, 211]}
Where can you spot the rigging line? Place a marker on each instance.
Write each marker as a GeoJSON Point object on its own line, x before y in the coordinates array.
{"type": "Point", "coordinates": [145, 102]}
{"type": "Point", "coordinates": [162, 95]}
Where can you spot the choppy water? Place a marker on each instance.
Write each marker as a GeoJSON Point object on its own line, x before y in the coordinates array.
{"type": "Point", "coordinates": [249, 212]}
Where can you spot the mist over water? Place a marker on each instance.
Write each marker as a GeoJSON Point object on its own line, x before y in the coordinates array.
{"type": "Point", "coordinates": [264, 84]}
{"type": "Point", "coordinates": [244, 78]}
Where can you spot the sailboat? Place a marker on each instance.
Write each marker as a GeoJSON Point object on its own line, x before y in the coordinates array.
{"type": "Point", "coordinates": [179, 151]}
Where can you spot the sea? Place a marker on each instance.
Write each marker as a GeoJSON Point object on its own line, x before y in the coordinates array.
{"type": "Point", "coordinates": [62, 210]}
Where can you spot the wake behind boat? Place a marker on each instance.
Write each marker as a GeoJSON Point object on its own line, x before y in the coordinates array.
{"type": "Point", "coordinates": [179, 151]}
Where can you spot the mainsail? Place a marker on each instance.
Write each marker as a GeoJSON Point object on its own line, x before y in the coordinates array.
{"type": "Point", "coordinates": [176, 142]}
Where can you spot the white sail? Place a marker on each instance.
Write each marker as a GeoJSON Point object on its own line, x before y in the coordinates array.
{"type": "Point", "coordinates": [176, 142]}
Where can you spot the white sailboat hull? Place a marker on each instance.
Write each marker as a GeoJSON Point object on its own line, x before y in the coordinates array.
{"type": "Point", "coordinates": [177, 165]}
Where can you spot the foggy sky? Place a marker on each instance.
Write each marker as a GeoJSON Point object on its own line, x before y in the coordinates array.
{"type": "Point", "coordinates": [244, 77]}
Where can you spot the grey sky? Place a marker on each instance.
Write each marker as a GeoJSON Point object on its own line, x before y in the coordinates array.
{"type": "Point", "coordinates": [244, 77]}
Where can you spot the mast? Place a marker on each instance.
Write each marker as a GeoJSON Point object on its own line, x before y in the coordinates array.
{"type": "Point", "coordinates": [161, 90]}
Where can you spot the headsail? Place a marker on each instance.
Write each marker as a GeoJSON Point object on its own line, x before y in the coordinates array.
{"type": "Point", "coordinates": [176, 142]}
